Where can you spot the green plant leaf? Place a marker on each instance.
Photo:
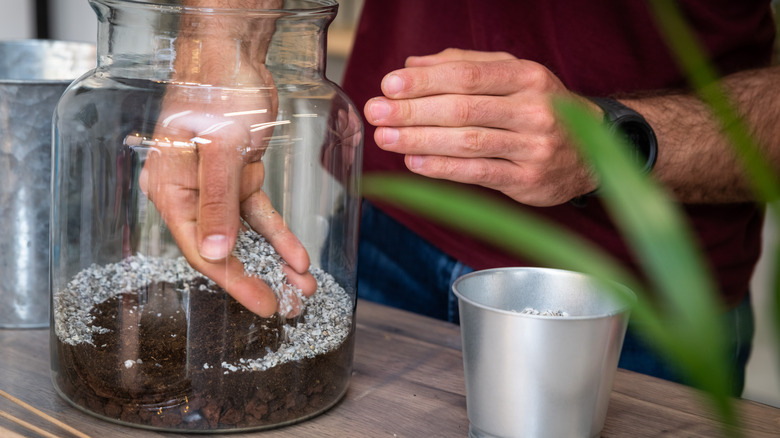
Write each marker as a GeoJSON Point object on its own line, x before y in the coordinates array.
{"type": "Point", "coordinates": [663, 243]}
{"type": "Point", "coordinates": [689, 54]}
{"type": "Point", "coordinates": [504, 224]}
{"type": "Point", "coordinates": [499, 222]}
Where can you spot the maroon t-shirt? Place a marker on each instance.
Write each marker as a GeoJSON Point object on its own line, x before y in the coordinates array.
{"type": "Point", "coordinates": [596, 48]}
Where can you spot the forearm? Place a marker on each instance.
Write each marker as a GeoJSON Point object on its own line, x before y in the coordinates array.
{"type": "Point", "coordinates": [696, 161]}
{"type": "Point", "coordinates": [222, 49]}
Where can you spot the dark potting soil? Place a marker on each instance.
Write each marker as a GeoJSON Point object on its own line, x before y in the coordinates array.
{"type": "Point", "coordinates": [155, 366]}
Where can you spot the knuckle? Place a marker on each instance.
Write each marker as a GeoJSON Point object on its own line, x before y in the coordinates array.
{"type": "Point", "coordinates": [462, 112]}
{"type": "Point", "coordinates": [470, 76]}
{"type": "Point", "coordinates": [484, 174]}
{"type": "Point", "coordinates": [401, 110]}
{"type": "Point", "coordinates": [471, 170]}
{"type": "Point", "coordinates": [214, 219]}
{"type": "Point", "coordinates": [452, 168]}
{"type": "Point", "coordinates": [213, 212]}
{"type": "Point", "coordinates": [475, 141]}
{"type": "Point", "coordinates": [472, 111]}
{"type": "Point", "coordinates": [214, 194]}
{"type": "Point", "coordinates": [543, 153]}
{"type": "Point", "coordinates": [531, 179]}
{"type": "Point", "coordinates": [421, 82]}
{"type": "Point", "coordinates": [547, 120]}
{"type": "Point", "coordinates": [534, 75]}
{"type": "Point", "coordinates": [472, 141]}
{"type": "Point", "coordinates": [541, 116]}
{"type": "Point", "coordinates": [452, 51]}
{"type": "Point", "coordinates": [488, 143]}
{"type": "Point", "coordinates": [438, 167]}
{"type": "Point", "coordinates": [533, 71]}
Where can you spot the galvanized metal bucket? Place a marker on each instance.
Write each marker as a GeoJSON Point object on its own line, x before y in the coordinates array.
{"type": "Point", "coordinates": [33, 75]}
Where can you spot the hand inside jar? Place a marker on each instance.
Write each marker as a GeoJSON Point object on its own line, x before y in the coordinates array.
{"type": "Point", "coordinates": [205, 173]}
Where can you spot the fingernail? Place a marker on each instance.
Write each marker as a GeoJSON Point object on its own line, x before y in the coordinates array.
{"type": "Point", "coordinates": [214, 247]}
{"type": "Point", "coordinates": [393, 84]}
{"type": "Point", "coordinates": [415, 162]}
{"type": "Point", "coordinates": [379, 110]}
{"type": "Point", "coordinates": [389, 136]}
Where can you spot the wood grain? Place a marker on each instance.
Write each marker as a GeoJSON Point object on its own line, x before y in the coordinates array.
{"type": "Point", "coordinates": [407, 382]}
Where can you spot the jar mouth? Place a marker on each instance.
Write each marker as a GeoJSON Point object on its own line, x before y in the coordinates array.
{"type": "Point", "coordinates": [290, 7]}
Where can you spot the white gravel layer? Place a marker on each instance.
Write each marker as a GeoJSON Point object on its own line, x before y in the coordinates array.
{"type": "Point", "coordinates": [327, 321]}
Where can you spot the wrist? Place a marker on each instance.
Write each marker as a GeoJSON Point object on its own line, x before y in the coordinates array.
{"type": "Point", "coordinates": [635, 130]}
{"type": "Point", "coordinates": [218, 46]}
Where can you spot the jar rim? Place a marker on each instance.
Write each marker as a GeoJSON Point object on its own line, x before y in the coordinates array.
{"type": "Point", "coordinates": [307, 7]}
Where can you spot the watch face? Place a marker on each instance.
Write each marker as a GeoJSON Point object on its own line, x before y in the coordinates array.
{"type": "Point", "coordinates": [634, 127]}
{"type": "Point", "coordinates": [639, 135]}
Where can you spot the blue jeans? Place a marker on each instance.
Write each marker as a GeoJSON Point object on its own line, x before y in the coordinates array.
{"type": "Point", "coordinates": [399, 268]}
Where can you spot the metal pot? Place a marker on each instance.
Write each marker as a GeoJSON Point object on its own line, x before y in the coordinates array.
{"type": "Point", "coordinates": [33, 75]}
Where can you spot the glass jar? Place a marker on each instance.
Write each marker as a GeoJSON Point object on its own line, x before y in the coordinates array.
{"type": "Point", "coordinates": [196, 115]}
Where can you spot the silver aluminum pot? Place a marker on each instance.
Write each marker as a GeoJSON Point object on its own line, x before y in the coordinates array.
{"type": "Point", "coordinates": [33, 75]}
{"type": "Point", "coordinates": [530, 375]}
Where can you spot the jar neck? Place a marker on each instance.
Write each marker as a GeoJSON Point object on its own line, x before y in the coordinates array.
{"type": "Point", "coordinates": [218, 47]}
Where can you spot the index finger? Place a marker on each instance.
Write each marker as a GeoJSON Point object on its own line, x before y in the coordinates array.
{"type": "Point", "coordinates": [494, 78]}
{"type": "Point", "coordinates": [219, 170]}
{"type": "Point", "coordinates": [449, 55]}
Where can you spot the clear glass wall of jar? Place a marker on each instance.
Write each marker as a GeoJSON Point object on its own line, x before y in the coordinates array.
{"type": "Point", "coordinates": [199, 115]}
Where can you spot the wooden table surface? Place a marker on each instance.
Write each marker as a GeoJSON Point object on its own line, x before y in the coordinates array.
{"type": "Point", "coordinates": [407, 382]}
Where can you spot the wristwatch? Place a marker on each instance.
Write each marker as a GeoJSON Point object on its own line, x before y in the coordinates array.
{"type": "Point", "coordinates": [634, 127]}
